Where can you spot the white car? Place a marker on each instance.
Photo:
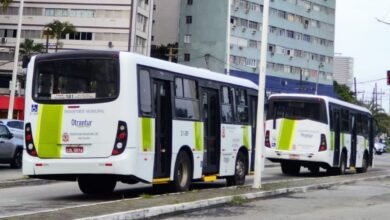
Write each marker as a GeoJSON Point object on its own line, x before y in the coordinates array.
{"type": "Point", "coordinates": [16, 127]}
{"type": "Point", "coordinates": [379, 148]}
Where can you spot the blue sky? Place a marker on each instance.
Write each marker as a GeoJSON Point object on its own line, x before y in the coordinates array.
{"type": "Point", "coordinates": [361, 36]}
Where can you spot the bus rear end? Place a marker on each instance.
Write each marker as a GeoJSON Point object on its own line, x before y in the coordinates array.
{"type": "Point", "coordinates": [71, 124]}
{"type": "Point", "coordinates": [297, 132]}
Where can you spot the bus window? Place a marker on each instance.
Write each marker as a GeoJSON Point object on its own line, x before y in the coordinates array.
{"type": "Point", "coordinates": [76, 79]}
{"type": "Point", "coordinates": [242, 106]}
{"type": "Point", "coordinates": [227, 110]}
{"type": "Point", "coordinates": [345, 120]}
{"type": "Point", "coordinates": [298, 110]}
{"type": "Point", "coordinates": [144, 90]}
{"type": "Point", "coordinates": [186, 100]}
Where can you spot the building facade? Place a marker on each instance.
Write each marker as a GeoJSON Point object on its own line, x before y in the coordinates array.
{"type": "Point", "coordinates": [124, 25]}
{"type": "Point", "coordinates": [343, 70]}
{"type": "Point", "coordinates": [226, 37]}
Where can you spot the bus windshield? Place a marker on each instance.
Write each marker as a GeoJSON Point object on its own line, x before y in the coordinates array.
{"type": "Point", "coordinates": [298, 110]}
{"type": "Point", "coordinates": [76, 79]}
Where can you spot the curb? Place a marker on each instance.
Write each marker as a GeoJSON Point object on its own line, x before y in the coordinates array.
{"type": "Point", "coordinates": [171, 209]}
{"type": "Point", "coordinates": [24, 182]}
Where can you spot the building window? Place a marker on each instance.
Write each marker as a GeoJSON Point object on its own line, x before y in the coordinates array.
{"type": "Point", "coordinates": [189, 19]}
{"type": "Point", "coordinates": [187, 57]}
{"type": "Point", "coordinates": [187, 39]}
{"type": "Point", "coordinates": [80, 36]}
{"type": "Point", "coordinates": [189, 2]}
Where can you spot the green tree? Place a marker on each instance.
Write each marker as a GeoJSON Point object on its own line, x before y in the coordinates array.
{"type": "Point", "coordinates": [344, 93]}
{"type": "Point", "coordinates": [56, 29]}
{"type": "Point", "coordinates": [5, 3]}
{"type": "Point", "coordinates": [28, 48]}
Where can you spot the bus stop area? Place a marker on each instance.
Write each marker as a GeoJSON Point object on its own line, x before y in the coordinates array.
{"type": "Point", "coordinates": [148, 206]}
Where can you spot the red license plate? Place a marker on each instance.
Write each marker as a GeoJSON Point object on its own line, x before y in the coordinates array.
{"type": "Point", "coordinates": [76, 150]}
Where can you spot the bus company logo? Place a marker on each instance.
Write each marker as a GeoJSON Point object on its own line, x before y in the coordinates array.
{"type": "Point", "coordinates": [81, 124]}
{"type": "Point", "coordinates": [223, 132]}
{"type": "Point", "coordinates": [65, 137]}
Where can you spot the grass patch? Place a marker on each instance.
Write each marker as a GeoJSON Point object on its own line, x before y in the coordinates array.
{"type": "Point", "coordinates": [237, 200]}
{"type": "Point", "coordinates": [146, 196]}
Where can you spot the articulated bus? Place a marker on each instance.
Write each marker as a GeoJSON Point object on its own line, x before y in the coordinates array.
{"type": "Point", "coordinates": [318, 132]}
{"type": "Point", "coordinates": [99, 117]}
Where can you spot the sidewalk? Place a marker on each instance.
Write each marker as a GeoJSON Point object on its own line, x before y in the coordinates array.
{"type": "Point", "coordinates": [151, 206]}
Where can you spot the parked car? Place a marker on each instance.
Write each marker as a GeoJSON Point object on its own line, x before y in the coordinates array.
{"type": "Point", "coordinates": [15, 126]}
{"type": "Point", "coordinates": [379, 148]}
{"type": "Point", "coordinates": [11, 148]}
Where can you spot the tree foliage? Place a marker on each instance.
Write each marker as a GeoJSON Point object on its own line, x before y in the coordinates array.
{"type": "Point", "coordinates": [28, 48]}
{"type": "Point", "coordinates": [56, 29]}
{"type": "Point", "coordinates": [5, 3]}
{"type": "Point", "coordinates": [161, 52]}
{"type": "Point", "coordinates": [344, 93]}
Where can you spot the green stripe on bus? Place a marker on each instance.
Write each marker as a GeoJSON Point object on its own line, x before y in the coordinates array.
{"type": "Point", "coordinates": [146, 135]}
{"type": "Point", "coordinates": [331, 140]}
{"type": "Point", "coordinates": [286, 134]}
{"type": "Point", "coordinates": [245, 136]}
{"type": "Point", "coordinates": [198, 136]}
{"type": "Point", "coordinates": [49, 129]}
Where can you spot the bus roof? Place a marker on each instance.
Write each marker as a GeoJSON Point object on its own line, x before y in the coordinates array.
{"type": "Point", "coordinates": [326, 98]}
{"type": "Point", "coordinates": [190, 71]}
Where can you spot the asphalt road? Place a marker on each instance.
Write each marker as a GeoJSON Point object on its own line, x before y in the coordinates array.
{"type": "Point", "coordinates": [32, 199]}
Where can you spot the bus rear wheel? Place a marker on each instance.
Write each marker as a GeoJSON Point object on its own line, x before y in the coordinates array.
{"type": "Point", "coordinates": [96, 184]}
{"type": "Point", "coordinates": [182, 175]}
{"type": "Point", "coordinates": [290, 168]}
{"type": "Point", "coordinates": [239, 172]}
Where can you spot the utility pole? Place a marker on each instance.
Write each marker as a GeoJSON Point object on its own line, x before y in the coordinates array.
{"type": "Point", "coordinates": [16, 61]}
{"type": "Point", "coordinates": [171, 54]}
{"type": "Point", "coordinates": [354, 83]}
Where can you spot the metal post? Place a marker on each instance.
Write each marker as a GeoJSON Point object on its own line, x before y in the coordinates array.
{"type": "Point", "coordinates": [229, 12]}
{"type": "Point", "coordinates": [16, 59]}
{"type": "Point", "coordinates": [259, 160]}
{"type": "Point", "coordinates": [318, 77]}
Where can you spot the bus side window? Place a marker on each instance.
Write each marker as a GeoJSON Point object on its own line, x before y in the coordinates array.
{"type": "Point", "coordinates": [145, 92]}
{"type": "Point", "coordinates": [242, 106]}
{"type": "Point", "coordinates": [345, 121]}
{"type": "Point", "coordinates": [227, 111]}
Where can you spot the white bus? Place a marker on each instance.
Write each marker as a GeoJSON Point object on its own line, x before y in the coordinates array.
{"type": "Point", "coordinates": [318, 131]}
{"type": "Point", "coordinates": [101, 117]}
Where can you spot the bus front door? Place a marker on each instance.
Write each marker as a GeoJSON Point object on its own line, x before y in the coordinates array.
{"type": "Point", "coordinates": [211, 156]}
{"type": "Point", "coordinates": [163, 128]}
{"type": "Point", "coordinates": [337, 130]}
{"type": "Point", "coordinates": [352, 161]}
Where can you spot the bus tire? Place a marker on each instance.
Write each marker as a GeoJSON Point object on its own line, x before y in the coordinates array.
{"type": "Point", "coordinates": [364, 165]}
{"type": "Point", "coordinates": [290, 168]}
{"type": "Point", "coordinates": [240, 169]}
{"type": "Point", "coordinates": [315, 170]}
{"type": "Point", "coordinates": [182, 175]}
{"type": "Point", "coordinates": [16, 162]}
{"type": "Point", "coordinates": [96, 184]}
{"type": "Point", "coordinates": [341, 169]}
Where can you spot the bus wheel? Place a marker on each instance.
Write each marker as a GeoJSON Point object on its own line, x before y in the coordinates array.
{"type": "Point", "coordinates": [364, 165]}
{"type": "Point", "coordinates": [290, 168]}
{"type": "Point", "coordinates": [239, 172]}
{"type": "Point", "coordinates": [182, 175]}
{"type": "Point", "coordinates": [341, 169]}
{"type": "Point", "coordinates": [96, 184]}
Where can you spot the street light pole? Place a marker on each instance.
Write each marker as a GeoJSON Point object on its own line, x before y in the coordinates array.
{"type": "Point", "coordinates": [16, 59]}
{"type": "Point", "coordinates": [260, 99]}
{"type": "Point", "coordinates": [318, 77]}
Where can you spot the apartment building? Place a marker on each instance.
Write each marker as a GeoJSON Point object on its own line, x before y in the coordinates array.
{"type": "Point", "coordinates": [343, 70]}
{"type": "Point", "coordinates": [123, 25]}
{"type": "Point", "coordinates": [226, 38]}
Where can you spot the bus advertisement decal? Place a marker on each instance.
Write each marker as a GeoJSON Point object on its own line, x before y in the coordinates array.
{"type": "Point", "coordinates": [146, 134]}
{"type": "Point", "coordinates": [198, 136]}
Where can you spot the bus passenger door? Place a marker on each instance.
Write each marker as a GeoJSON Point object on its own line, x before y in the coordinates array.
{"type": "Point", "coordinates": [163, 128]}
{"type": "Point", "coordinates": [211, 120]}
{"type": "Point", "coordinates": [352, 161]}
{"type": "Point", "coordinates": [337, 130]}
{"type": "Point", "coordinates": [253, 113]}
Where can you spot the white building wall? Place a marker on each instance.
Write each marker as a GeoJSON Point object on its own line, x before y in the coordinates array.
{"type": "Point", "coordinates": [343, 70]}
{"type": "Point", "coordinates": [166, 22]}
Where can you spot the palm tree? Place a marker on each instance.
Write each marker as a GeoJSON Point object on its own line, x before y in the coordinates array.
{"type": "Point", "coordinates": [56, 29]}
{"type": "Point", "coordinates": [5, 3]}
{"type": "Point", "coordinates": [27, 48]}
